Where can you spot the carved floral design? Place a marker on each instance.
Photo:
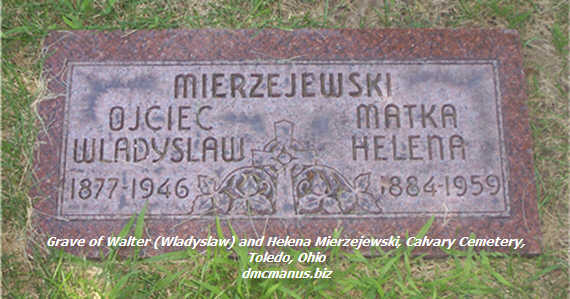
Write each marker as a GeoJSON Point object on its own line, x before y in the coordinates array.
{"type": "Point", "coordinates": [246, 191]}
{"type": "Point", "coordinates": [323, 190]}
{"type": "Point", "coordinates": [283, 164]}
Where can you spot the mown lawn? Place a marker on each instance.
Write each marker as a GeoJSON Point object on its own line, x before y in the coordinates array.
{"type": "Point", "coordinates": [543, 26]}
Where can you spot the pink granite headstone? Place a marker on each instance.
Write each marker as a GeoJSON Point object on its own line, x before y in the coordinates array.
{"type": "Point", "coordinates": [287, 134]}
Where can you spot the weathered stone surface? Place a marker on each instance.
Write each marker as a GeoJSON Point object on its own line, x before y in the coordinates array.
{"type": "Point", "coordinates": [287, 133]}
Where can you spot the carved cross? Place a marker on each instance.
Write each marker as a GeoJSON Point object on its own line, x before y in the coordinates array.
{"type": "Point", "coordinates": [278, 158]}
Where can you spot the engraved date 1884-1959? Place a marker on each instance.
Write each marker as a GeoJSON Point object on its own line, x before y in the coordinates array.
{"type": "Point", "coordinates": [459, 185]}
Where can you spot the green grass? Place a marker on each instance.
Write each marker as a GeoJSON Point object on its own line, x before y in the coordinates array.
{"type": "Point", "coordinates": [214, 273]}
{"type": "Point", "coordinates": [543, 26]}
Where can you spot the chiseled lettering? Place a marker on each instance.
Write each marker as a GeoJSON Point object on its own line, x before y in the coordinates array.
{"type": "Point", "coordinates": [160, 151]}
{"type": "Point", "coordinates": [407, 148]}
{"type": "Point", "coordinates": [182, 116]}
{"type": "Point", "coordinates": [388, 84]}
{"type": "Point", "coordinates": [138, 144]}
{"type": "Point", "coordinates": [147, 118]}
{"type": "Point", "coordinates": [395, 150]}
{"type": "Point", "coordinates": [189, 156]}
{"type": "Point", "coordinates": [332, 91]}
{"type": "Point", "coordinates": [235, 86]}
{"type": "Point", "coordinates": [370, 111]}
{"type": "Point", "coordinates": [232, 156]}
{"type": "Point", "coordinates": [431, 138]}
{"type": "Point", "coordinates": [362, 146]}
{"type": "Point", "coordinates": [373, 83]}
{"type": "Point", "coordinates": [210, 144]}
{"type": "Point", "coordinates": [204, 84]}
{"type": "Point", "coordinates": [391, 111]}
{"type": "Point", "coordinates": [178, 154]}
{"type": "Point", "coordinates": [377, 146]}
{"type": "Point", "coordinates": [293, 86]}
{"type": "Point", "coordinates": [352, 78]}
{"type": "Point", "coordinates": [253, 92]}
{"type": "Point", "coordinates": [448, 111]}
{"type": "Point", "coordinates": [116, 123]}
{"type": "Point", "coordinates": [412, 146]}
{"type": "Point", "coordinates": [277, 85]}
{"type": "Point", "coordinates": [137, 120]}
{"type": "Point", "coordinates": [305, 83]}
{"type": "Point", "coordinates": [271, 84]}
{"type": "Point", "coordinates": [184, 79]}
{"type": "Point", "coordinates": [169, 118]}
{"type": "Point", "coordinates": [102, 151]}
{"type": "Point", "coordinates": [409, 108]}
{"type": "Point", "coordinates": [456, 142]}
{"type": "Point", "coordinates": [198, 119]}
{"type": "Point", "coordinates": [216, 84]}
{"type": "Point", "coordinates": [427, 116]}
{"type": "Point", "coordinates": [122, 145]}
{"type": "Point", "coordinates": [85, 158]}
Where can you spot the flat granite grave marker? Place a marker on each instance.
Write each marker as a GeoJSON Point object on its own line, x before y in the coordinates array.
{"type": "Point", "coordinates": [286, 134]}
